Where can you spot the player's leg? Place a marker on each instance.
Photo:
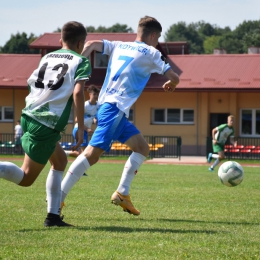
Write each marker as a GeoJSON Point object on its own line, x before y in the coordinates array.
{"type": "Point", "coordinates": [108, 129]}
{"type": "Point", "coordinates": [218, 155]}
{"type": "Point", "coordinates": [75, 137]}
{"type": "Point", "coordinates": [74, 154]}
{"type": "Point", "coordinates": [33, 144]}
{"type": "Point", "coordinates": [140, 148]}
{"type": "Point", "coordinates": [24, 176]}
{"type": "Point", "coordinates": [81, 150]}
{"type": "Point", "coordinates": [58, 162]}
{"type": "Point", "coordinates": [81, 164]}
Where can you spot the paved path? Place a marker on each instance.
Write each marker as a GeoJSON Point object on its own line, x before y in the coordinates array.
{"type": "Point", "coordinates": [185, 160]}
{"type": "Point", "coordinates": [193, 160]}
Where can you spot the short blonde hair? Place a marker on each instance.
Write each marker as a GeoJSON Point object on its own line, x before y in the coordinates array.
{"type": "Point", "coordinates": [231, 117]}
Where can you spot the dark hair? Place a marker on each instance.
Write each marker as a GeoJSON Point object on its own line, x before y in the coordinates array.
{"type": "Point", "coordinates": [73, 32]}
{"type": "Point", "coordinates": [93, 88]}
{"type": "Point", "coordinates": [148, 25]}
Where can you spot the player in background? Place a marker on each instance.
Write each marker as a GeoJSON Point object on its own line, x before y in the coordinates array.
{"type": "Point", "coordinates": [129, 69]}
{"type": "Point", "coordinates": [18, 132]}
{"type": "Point", "coordinates": [91, 108]}
{"type": "Point", "coordinates": [90, 111]}
{"type": "Point", "coordinates": [220, 134]}
{"type": "Point", "coordinates": [54, 86]}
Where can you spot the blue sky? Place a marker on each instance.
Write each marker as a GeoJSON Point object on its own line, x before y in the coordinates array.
{"type": "Point", "coordinates": [38, 17]}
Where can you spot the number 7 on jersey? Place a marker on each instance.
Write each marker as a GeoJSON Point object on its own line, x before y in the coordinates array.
{"type": "Point", "coordinates": [127, 60]}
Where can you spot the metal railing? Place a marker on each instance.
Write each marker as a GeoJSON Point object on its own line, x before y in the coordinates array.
{"type": "Point", "coordinates": [247, 148]}
{"type": "Point", "coordinates": [160, 146]}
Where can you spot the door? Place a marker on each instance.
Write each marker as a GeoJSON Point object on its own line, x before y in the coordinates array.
{"type": "Point", "coordinates": [217, 119]}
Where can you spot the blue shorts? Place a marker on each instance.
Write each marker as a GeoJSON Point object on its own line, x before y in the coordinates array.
{"type": "Point", "coordinates": [112, 126]}
{"type": "Point", "coordinates": [85, 138]}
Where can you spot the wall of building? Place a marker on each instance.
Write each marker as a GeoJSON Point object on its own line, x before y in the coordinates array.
{"type": "Point", "coordinates": [193, 135]}
{"type": "Point", "coordinates": [143, 117]}
{"type": "Point", "coordinates": [204, 103]}
{"type": "Point", "coordinates": [7, 99]}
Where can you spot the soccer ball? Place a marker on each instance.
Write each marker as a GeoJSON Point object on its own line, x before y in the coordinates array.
{"type": "Point", "coordinates": [231, 173]}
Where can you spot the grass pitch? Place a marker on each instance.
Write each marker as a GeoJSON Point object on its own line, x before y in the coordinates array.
{"type": "Point", "coordinates": [186, 213]}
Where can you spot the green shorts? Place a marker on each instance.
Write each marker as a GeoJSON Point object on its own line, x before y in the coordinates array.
{"type": "Point", "coordinates": [218, 148]}
{"type": "Point", "coordinates": [38, 140]}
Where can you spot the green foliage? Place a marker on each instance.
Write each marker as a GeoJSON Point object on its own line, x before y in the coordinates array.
{"type": "Point", "coordinates": [19, 43]}
{"type": "Point", "coordinates": [186, 213]}
{"type": "Point", "coordinates": [203, 37]}
{"type": "Point", "coordinates": [183, 32]}
{"type": "Point", "coordinates": [251, 38]}
{"type": "Point", "coordinates": [231, 43]}
{"type": "Point", "coordinates": [57, 30]}
{"type": "Point", "coordinates": [122, 28]}
{"type": "Point", "coordinates": [90, 28]}
{"type": "Point", "coordinates": [211, 43]}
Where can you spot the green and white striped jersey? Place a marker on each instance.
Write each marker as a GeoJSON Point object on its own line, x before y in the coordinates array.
{"type": "Point", "coordinates": [51, 87]}
{"type": "Point", "coordinates": [223, 133]}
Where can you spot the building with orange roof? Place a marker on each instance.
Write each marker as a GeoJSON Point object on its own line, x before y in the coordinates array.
{"type": "Point", "coordinates": [211, 87]}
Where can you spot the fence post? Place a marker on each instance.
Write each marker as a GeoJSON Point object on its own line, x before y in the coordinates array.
{"type": "Point", "coordinates": [179, 143]}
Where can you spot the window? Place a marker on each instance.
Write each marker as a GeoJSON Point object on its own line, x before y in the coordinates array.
{"type": "Point", "coordinates": [173, 116]}
{"type": "Point", "coordinates": [101, 61]}
{"type": "Point", "coordinates": [250, 122]}
{"type": "Point", "coordinates": [6, 114]}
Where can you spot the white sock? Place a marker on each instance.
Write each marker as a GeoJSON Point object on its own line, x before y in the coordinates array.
{"type": "Point", "coordinates": [11, 172]}
{"type": "Point", "coordinates": [131, 167]}
{"type": "Point", "coordinates": [75, 172]}
{"type": "Point", "coordinates": [215, 163]}
{"type": "Point", "coordinates": [67, 153]}
{"type": "Point", "coordinates": [215, 156]}
{"type": "Point", "coordinates": [53, 191]}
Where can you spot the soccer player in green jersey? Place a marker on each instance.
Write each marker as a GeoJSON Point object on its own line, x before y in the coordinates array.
{"type": "Point", "coordinates": [220, 134]}
{"type": "Point", "coordinates": [56, 83]}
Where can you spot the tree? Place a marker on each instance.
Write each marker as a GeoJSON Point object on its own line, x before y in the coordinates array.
{"type": "Point", "coordinates": [246, 27]}
{"type": "Point", "coordinates": [206, 29]}
{"type": "Point", "coordinates": [189, 33]}
{"type": "Point", "coordinates": [248, 33]}
{"type": "Point", "coordinates": [57, 30]}
{"type": "Point", "coordinates": [19, 43]}
{"type": "Point", "coordinates": [251, 39]}
{"type": "Point", "coordinates": [211, 43]}
{"type": "Point", "coordinates": [90, 28]}
{"type": "Point", "coordinates": [231, 43]}
{"type": "Point", "coordinates": [122, 28]}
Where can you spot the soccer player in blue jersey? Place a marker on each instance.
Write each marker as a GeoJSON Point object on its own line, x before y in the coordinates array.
{"type": "Point", "coordinates": [57, 82]}
{"type": "Point", "coordinates": [90, 111]}
{"type": "Point", "coordinates": [129, 69]}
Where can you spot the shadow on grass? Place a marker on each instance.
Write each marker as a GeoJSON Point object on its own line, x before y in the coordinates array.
{"type": "Point", "coordinates": [214, 222]}
{"type": "Point", "coordinates": [150, 230]}
{"type": "Point", "coordinates": [120, 229]}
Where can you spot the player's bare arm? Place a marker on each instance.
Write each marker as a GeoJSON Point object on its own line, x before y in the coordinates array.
{"type": "Point", "coordinates": [89, 130]}
{"type": "Point", "coordinates": [79, 101]}
{"type": "Point", "coordinates": [232, 141]}
{"type": "Point", "coordinates": [173, 81]}
{"type": "Point", "coordinates": [91, 46]}
{"type": "Point", "coordinates": [214, 131]}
